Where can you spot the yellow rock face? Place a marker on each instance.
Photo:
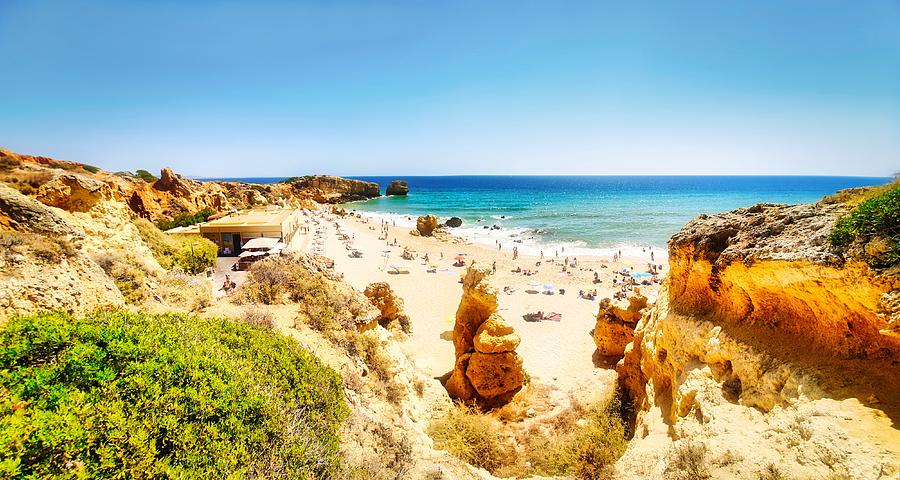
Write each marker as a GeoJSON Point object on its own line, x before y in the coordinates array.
{"type": "Point", "coordinates": [487, 370]}
{"type": "Point", "coordinates": [495, 375]}
{"type": "Point", "coordinates": [496, 336]}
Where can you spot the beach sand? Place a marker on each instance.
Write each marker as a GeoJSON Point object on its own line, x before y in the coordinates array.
{"type": "Point", "coordinates": [557, 354]}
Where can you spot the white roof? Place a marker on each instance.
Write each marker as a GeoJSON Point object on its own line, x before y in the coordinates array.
{"type": "Point", "coordinates": [266, 243]}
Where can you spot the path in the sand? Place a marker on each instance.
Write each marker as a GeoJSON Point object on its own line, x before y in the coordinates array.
{"type": "Point", "coordinates": [554, 353]}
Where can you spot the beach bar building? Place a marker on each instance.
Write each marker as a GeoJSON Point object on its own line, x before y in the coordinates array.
{"type": "Point", "coordinates": [232, 232]}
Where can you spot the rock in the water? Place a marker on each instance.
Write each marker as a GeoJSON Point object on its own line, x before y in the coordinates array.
{"type": "Point", "coordinates": [487, 370]}
{"type": "Point", "coordinates": [454, 222]}
{"type": "Point", "coordinates": [397, 187]}
{"type": "Point", "coordinates": [426, 225]}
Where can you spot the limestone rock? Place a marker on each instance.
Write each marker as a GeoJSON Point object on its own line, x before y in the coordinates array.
{"type": "Point", "coordinates": [487, 369]}
{"type": "Point", "coordinates": [397, 187]}
{"type": "Point", "coordinates": [495, 375]}
{"type": "Point", "coordinates": [615, 325]}
{"type": "Point", "coordinates": [458, 385]}
{"type": "Point", "coordinates": [453, 222]}
{"type": "Point", "coordinates": [73, 192]}
{"type": "Point", "coordinates": [496, 336]}
{"type": "Point", "coordinates": [761, 327]}
{"type": "Point", "coordinates": [426, 225]}
{"type": "Point", "coordinates": [18, 212]}
{"type": "Point", "coordinates": [173, 183]}
{"type": "Point", "coordinates": [328, 189]}
{"type": "Point", "coordinates": [388, 303]}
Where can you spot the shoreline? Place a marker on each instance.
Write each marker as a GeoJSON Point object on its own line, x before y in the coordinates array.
{"type": "Point", "coordinates": [526, 239]}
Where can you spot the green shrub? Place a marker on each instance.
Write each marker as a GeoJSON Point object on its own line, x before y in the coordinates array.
{"type": "Point", "coordinates": [872, 230]}
{"type": "Point", "coordinates": [186, 219]}
{"type": "Point", "coordinates": [145, 176]}
{"type": "Point", "coordinates": [141, 396]}
{"type": "Point", "coordinates": [90, 168]}
{"type": "Point", "coordinates": [191, 253]}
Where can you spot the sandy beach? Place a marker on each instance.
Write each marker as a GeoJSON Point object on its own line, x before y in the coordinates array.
{"type": "Point", "coordinates": [559, 354]}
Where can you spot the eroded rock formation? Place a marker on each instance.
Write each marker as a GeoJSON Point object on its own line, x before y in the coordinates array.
{"type": "Point", "coordinates": [487, 370]}
{"type": "Point", "coordinates": [426, 225]}
{"type": "Point", "coordinates": [73, 187]}
{"type": "Point", "coordinates": [615, 324]}
{"type": "Point", "coordinates": [397, 187]}
{"type": "Point", "coordinates": [389, 304]}
{"type": "Point", "coordinates": [763, 340]}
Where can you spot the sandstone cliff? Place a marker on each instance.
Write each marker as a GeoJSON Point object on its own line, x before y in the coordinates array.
{"type": "Point", "coordinates": [765, 347]}
{"type": "Point", "coordinates": [72, 186]}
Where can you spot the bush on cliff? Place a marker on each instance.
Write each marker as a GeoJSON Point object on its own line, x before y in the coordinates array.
{"type": "Point", "coordinates": [191, 253]}
{"type": "Point", "coordinates": [145, 176]}
{"type": "Point", "coordinates": [141, 396]}
{"type": "Point", "coordinates": [872, 230]}
{"type": "Point", "coordinates": [185, 219]}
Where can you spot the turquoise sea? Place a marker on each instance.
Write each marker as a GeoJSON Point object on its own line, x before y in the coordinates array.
{"type": "Point", "coordinates": [587, 214]}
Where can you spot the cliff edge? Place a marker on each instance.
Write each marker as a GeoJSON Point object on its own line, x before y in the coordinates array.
{"type": "Point", "coordinates": [766, 349]}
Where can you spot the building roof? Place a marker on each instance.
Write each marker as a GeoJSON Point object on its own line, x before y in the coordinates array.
{"type": "Point", "coordinates": [252, 218]}
{"type": "Point", "coordinates": [190, 229]}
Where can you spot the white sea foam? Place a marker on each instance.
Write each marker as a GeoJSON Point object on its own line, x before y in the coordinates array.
{"type": "Point", "coordinates": [529, 241]}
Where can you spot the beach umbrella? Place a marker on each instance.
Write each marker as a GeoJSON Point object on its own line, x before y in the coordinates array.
{"type": "Point", "coordinates": [534, 283]}
{"type": "Point", "coordinates": [549, 286]}
{"type": "Point", "coordinates": [459, 258]}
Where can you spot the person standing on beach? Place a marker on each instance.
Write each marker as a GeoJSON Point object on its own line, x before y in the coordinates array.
{"type": "Point", "coordinates": [542, 254]}
{"type": "Point", "coordinates": [499, 246]}
{"type": "Point", "coordinates": [515, 252]}
{"type": "Point", "coordinates": [651, 255]}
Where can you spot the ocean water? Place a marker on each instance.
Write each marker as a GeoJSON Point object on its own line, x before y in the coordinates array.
{"type": "Point", "coordinates": [586, 214]}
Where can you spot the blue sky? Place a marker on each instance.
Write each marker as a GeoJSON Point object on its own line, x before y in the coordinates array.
{"type": "Point", "coordinates": [276, 88]}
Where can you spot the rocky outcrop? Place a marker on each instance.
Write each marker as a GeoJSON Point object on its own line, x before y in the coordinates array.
{"type": "Point", "coordinates": [74, 192]}
{"type": "Point", "coordinates": [389, 304]}
{"type": "Point", "coordinates": [487, 369]}
{"type": "Point", "coordinates": [24, 214]}
{"type": "Point", "coordinates": [328, 189]}
{"type": "Point", "coordinates": [174, 184]}
{"type": "Point", "coordinates": [397, 187]}
{"type": "Point", "coordinates": [615, 324]}
{"type": "Point", "coordinates": [73, 186]}
{"type": "Point", "coordinates": [763, 340]}
{"type": "Point", "coordinates": [426, 225]}
{"type": "Point", "coordinates": [453, 222]}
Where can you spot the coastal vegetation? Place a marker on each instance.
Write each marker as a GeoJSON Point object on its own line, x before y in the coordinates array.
{"type": "Point", "coordinates": [583, 442]}
{"type": "Point", "coordinates": [169, 396]}
{"type": "Point", "coordinates": [871, 230]}
{"type": "Point", "coordinates": [145, 176]}
{"type": "Point", "coordinates": [191, 253]}
{"type": "Point", "coordinates": [50, 249]}
{"type": "Point", "coordinates": [185, 219]}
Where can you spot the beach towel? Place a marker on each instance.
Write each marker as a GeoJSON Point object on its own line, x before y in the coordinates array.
{"type": "Point", "coordinates": [553, 317]}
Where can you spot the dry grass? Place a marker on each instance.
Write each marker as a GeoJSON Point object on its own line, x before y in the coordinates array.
{"type": "Point", "coordinates": [142, 285]}
{"type": "Point", "coordinates": [472, 437]}
{"type": "Point", "coordinates": [581, 442]}
{"type": "Point", "coordinates": [688, 461]}
{"type": "Point", "coordinates": [258, 317]}
{"type": "Point", "coordinates": [47, 249]}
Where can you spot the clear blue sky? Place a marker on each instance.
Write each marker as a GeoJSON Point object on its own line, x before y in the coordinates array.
{"type": "Point", "coordinates": [273, 88]}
